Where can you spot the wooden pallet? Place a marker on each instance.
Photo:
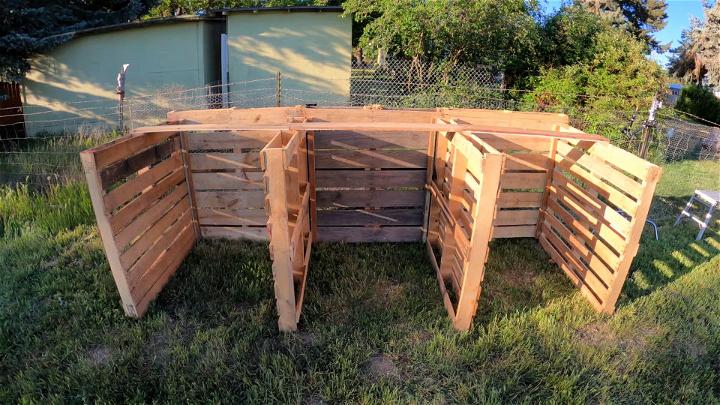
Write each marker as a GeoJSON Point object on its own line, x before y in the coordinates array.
{"type": "Point", "coordinates": [452, 178]}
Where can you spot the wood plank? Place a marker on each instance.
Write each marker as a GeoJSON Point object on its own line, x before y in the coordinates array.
{"type": "Point", "coordinates": [507, 143]}
{"type": "Point", "coordinates": [239, 180]}
{"type": "Point", "coordinates": [225, 161]}
{"type": "Point", "coordinates": [600, 169]}
{"type": "Point", "coordinates": [370, 178]}
{"type": "Point", "coordinates": [373, 159]}
{"type": "Point", "coordinates": [148, 238]}
{"type": "Point", "coordinates": [132, 164]}
{"type": "Point", "coordinates": [279, 230]}
{"type": "Point", "coordinates": [574, 278]}
{"type": "Point", "coordinates": [361, 217]}
{"type": "Point", "coordinates": [167, 265]}
{"type": "Point", "coordinates": [232, 217]}
{"type": "Point", "coordinates": [127, 213]}
{"type": "Point", "coordinates": [622, 159]}
{"type": "Point", "coordinates": [520, 231]}
{"type": "Point", "coordinates": [235, 140]}
{"type": "Point", "coordinates": [235, 232]}
{"type": "Point", "coordinates": [276, 115]}
{"type": "Point", "coordinates": [370, 198]}
{"type": "Point", "coordinates": [106, 234]}
{"type": "Point", "coordinates": [128, 145]}
{"type": "Point", "coordinates": [516, 217]}
{"type": "Point", "coordinates": [135, 186]}
{"type": "Point", "coordinates": [230, 199]}
{"type": "Point", "coordinates": [370, 234]}
{"type": "Point", "coordinates": [527, 162]}
{"type": "Point", "coordinates": [602, 268]}
{"type": "Point", "coordinates": [144, 264]}
{"type": "Point", "coordinates": [615, 197]}
{"type": "Point", "coordinates": [522, 199]}
{"type": "Point", "coordinates": [481, 131]}
{"type": "Point", "coordinates": [523, 181]}
{"type": "Point", "coordinates": [350, 140]}
{"type": "Point", "coordinates": [150, 216]}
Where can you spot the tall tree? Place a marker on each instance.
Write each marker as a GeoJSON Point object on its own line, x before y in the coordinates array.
{"type": "Point", "coordinates": [168, 8]}
{"type": "Point", "coordinates": [698, 56]}
{"type": "Point", "coordinates": [502, 34]}
{"type": "Point", "coordinates": [31, 26]}
{"type": "Point", "coordinates": [642, 18]}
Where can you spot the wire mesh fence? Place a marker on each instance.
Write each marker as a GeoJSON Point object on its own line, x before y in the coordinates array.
{"type": "Point", "coordinates": [45, 150]}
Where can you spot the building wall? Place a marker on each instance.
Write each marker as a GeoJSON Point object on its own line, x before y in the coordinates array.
{"type": "Point", "coordinates": [84, 69]}
{"type": "Point", "coordinates": [312, 50]}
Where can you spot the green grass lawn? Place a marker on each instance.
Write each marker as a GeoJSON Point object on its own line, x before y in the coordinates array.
{"type": "Point", "coordinates": [373, 328]}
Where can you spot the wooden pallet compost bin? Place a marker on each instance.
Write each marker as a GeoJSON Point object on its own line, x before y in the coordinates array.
{"type": "Point", "coordinates": [453, 179]}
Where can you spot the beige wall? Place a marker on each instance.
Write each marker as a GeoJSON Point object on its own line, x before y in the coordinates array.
{"type": "Point", "coordinates": [84, 69]}
{"type": "Point", "coordinates": [312, 50]}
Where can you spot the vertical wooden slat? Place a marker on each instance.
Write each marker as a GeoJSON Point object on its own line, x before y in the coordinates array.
{"type": "Point", "coordinates": [189, 181]}
{"type": "Point", "coordinates": [428, 179]}
{"type": "Point", "coordinates": [276, 204]}
{"type": "Point", "coordinates": [310, 143]}
{"type": "Point", "coordinates": [548, 183]}
{"type": "Point", "coordinates": [103, 221]}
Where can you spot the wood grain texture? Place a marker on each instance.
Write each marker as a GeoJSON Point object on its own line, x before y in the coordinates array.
{"type": "Point", "coordinates": [361, 217]}
{"type": "Point", "coordinates": [370, 178]}
{"type": "Point", "coordinates": [373, 159]}
{"type": "Point", "coordinates": [356, 234]}
{"type": "Point", "coordinates": [370, 198]}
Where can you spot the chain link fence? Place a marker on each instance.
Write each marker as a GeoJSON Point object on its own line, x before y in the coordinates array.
{"type": "Point", "coordinates": [49, 152]}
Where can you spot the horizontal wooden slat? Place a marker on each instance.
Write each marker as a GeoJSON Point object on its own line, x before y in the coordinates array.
{"type": "Point", "coordinates": [615, 197]}
{"type": "Point", "coordinates": [232, 217]}
{"type": "Point", "coordinates": [370, 198]}
{"type": "Point", "coordinates": [235, 232]}
{"type": "Point", "coordinates": [124, 215]}
{"type": "Point", "coordinates": [523, 199]}
{"type": "Point", "coordinates": [587, 250]}
{"type": "Point", "coordinates": [143, 264]}
{"type": "Point", "coordinates": [230, 199]}
{"type": "Point", "coordinates": [238, 180]}
{"type": "Point", "coordinates": [521, 231]}
{"type": "Point", "coordinates": [370, 234]}
{"type": "Point", "coordinates": [600, 169]}
{"type": "Point", "coordinates": [136, 185]}
{"type": "Point", "coordinates": [527, 162]}
{"type": "Point", "coordinates": [569, 255]}
{"type": "Point", "coordinates": [229, 140]}
{"type": "Point", "coordinates": [121, 148]}
{"type": "Point", "coordinates": [523, 180]}
{"type": "Point", "coordinates": [371, 140]}
{"type": "Point", "coordinates": [574, 278]}
{"type": "Point", "coordinates": [620, 158]}
{"type": "Point", "coordinates": [152, 281]}
{"type": "Point", "coordinates": [509, 143]}
{"type": "Point", "coordinates": [389, 216]}
{"type": "Point", "coordinates": [516, 217]}
{"type": "Point", "coordinates": [563, 186]}
{"type": "Point", "coordinates": [149, 237]}
{"type": "Point", "coordinates": [150, 216]}
{"type": "Point", "coordinates": [224, 161]}
{"type": "Point", "coordinates": [370, 178]}
{"type": "Point", "coordinates": [270, 115]}
{"type": "Point", "coordinates": [373, 159]}
{"type": "Point", "coordinates": [126, 167]}
{"type": "Point", "coordinates": [584, 223]}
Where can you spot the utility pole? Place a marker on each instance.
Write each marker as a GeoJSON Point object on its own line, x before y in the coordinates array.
{"type": "Point", "coordinates": [648, 125]}
{"type": "Point", "coordinates": [278, 89]}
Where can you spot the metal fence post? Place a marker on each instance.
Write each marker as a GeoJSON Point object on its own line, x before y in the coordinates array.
{"type": "Point", "coordinates": [278, 89]}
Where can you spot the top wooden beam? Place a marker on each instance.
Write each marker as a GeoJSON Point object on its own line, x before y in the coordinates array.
{"type": "Point", "coordinates": [478, 130]}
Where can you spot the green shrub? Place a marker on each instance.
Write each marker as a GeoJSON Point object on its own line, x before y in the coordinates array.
{"type": "Point", "coordinates": [699, 101]}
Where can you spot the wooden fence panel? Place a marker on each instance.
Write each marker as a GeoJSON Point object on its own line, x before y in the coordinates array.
{"type": "Point", "coordinates": [598, 199]}
{"type": "Point", "coordinates": [144, 210]}
{"type": "Point", "coordinates": [464, 172]}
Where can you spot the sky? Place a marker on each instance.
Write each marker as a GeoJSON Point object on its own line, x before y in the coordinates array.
{"type": "Point", "coordinates": [679, 13]}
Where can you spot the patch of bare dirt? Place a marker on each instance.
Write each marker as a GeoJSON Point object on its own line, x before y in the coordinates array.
{"type": "Point", "coordinates": [380, 366]}
{"type": "Point", "coordinates": [309, 338]}
{"type": "Point", "coordinates": [100, 355]}
{"type": "Point", "coordinates": [600, 333]}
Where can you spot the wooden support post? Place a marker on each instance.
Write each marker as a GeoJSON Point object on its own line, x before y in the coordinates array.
{"type": "Point", "coordinates": [636, 227]}
{"type": "Point", "coordinates": [276, 205]}
{"type": "Point", "coordinates": [103, 221]}
{"type": "Point", "coordinates": [548, 183]}
{"type": "Point", "coordinates": [428, 180]}
{"type": "Point", "coordinates": [188, 180]}
{"type": "Point", "coordinates": [310, 142]}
